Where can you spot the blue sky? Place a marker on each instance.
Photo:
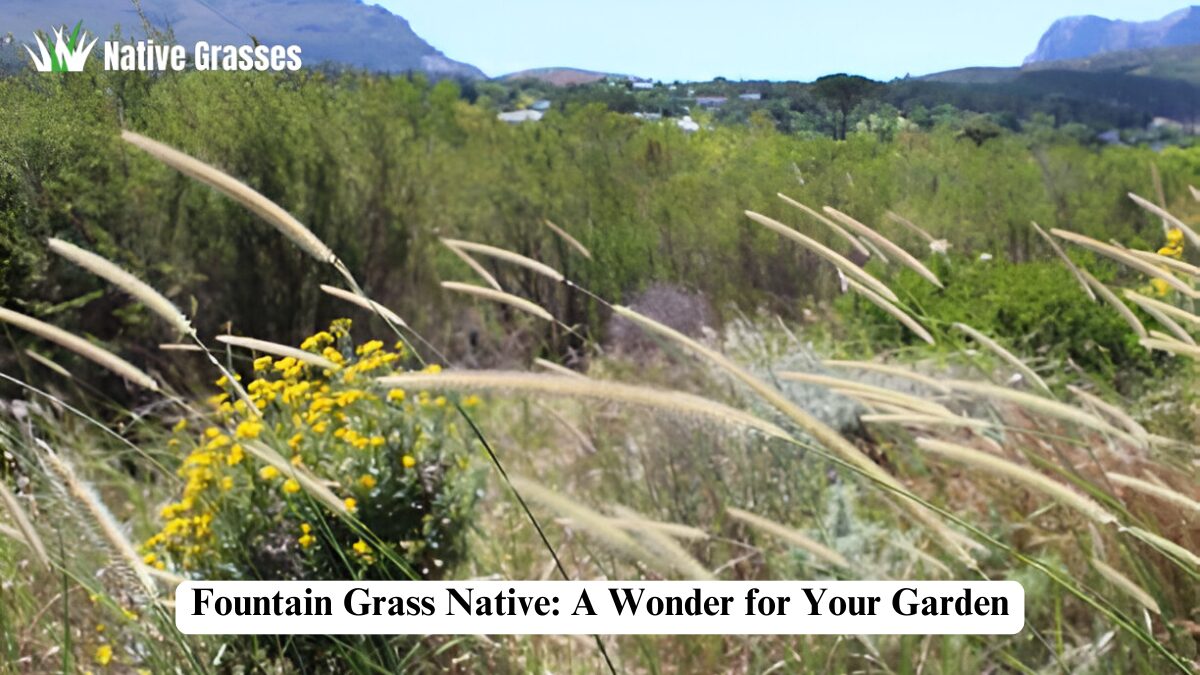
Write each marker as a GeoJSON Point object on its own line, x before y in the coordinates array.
{"type": "Point", "coordinates": [750, 39]}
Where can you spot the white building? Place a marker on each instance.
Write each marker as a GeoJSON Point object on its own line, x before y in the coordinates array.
{"type": "Point", "coordinates": [519, 116]}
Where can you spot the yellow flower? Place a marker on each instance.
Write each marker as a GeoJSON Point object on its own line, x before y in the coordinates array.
{"type": "Point", "coordinates": [249, 429]}
{"type": "Point", "coordinates": [361, 547]}
{"type": "Point", "coordinates": [212, 432]}
{"type": "Point", "coordinates": [367, 481]}
{"type": "Point", "coordinates": [306, 540]}
{"type": "Point", "coordinates": [408, 461]}
{"type": "Point", "coordinates": [470, 401]}
{"type": "Point", "coordinates": [377, 441]}
{"type": "Point", "coordinates": [235, 455]}
{"type": "Point", "coordinates": [369, 348]}
{"type": "Point", "coordinates": [351, 504]}
{"type": "Point", "coordinates": [294, 441]}
{"type": "Point", "coordinates": [104, 654]}
{"type": "Point", "coordinates": [290, 486]}
{"type": "Point", "coordinates": [440, 401]}
{"type": "Point", "coordinates": [180, 425]}
{"type": "Point", "coordinates": [262, 363]}
{"type": "Point", "coordinates": [395, 395]}
{"type": "Point", "coordinates": [227, 483]}
{"type": "Point", "coordinates": [433, 369]}
{"type": "Point", "coordinates": [149, 558]}
{"type": "Point", "coordinates": [268, 473]}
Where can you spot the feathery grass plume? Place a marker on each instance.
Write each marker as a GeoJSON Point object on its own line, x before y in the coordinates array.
{"type": "Point", "coordinates": [917, 420]}
{"type": "Point", "coordinates": [822, 433]}
{"type": "Point", "coordinates": [1124, 257]}
{"type": "Point", "coordinates": [1028, 477]}
{"type": "Point", "coordinates": [571, 241]}
{"type": "Point", "coordinates": [1045, 406]}
{"type": "Point", "coordinates": [664, 547]}
{"type": "Point", "coordinates": [13, 534]}
{"type": "Point", "coordinates": [238, 191]}
{"type": "Point", "coordinates": [557, 368]}
{"type": "Point", "coordinates": [848, 268]}
{"type": "Point", "coordinates": [1195, 192]}
{"type": "Point", "coordinates": [628, 518]}
{"type": "Point", "coordinates": [501, 297]}
{"type": "Point", "coordinates": [875, 250]}
{"type": "Point", "coordinates": [889, 369]}
{"type": "Point", "coordinates": [171, 580]}
{"type": "Point", "coordinates": [49, 364]}
{"type": "Point", "coordinates": [276, 349]}
{"type": "Point", "coordinates": [507, 256]}
{"type": "Point", "coordinates": [887, 245]}
{"type": "Point", "coordinates": [369, 305]}
{"type": "Point", "coordinates": [1062, 255]}
{"type": "Point", "coordinates": [1170, 310]}
{"type": "Point", "coordinates": [474, 265]}
{"type": "Point", "coordinates": [1164, 545]}
{"type": "Point", "coordinates": [838, 229]}
{"type": "Point", "coordinates": [1166, 261]}
{"type": "Point", "coordinates": [1126, 584]}
{"type": "Point", "coordinates": [879, 393]}
{"type": "Point", "coordinates": [1003, 353]}
{"type": "Point", "coordinates": [180, 347]}
{"type": "Point", "coordinates": [311, 485]}
{"type": "Point", "coordinates": [141, 291]}
{"type": "Point", "coordinates": [593, 523]}
{"type": "Point", "coordinates": [1163, 493]}
{"type": "Point", "coordinates": [924, 557]}
{"type": "Point", "coordinates": [103, 518]}
{"type": "Point", "coordinates": [1115, 302]}
{"type": "Point", "coordinates": [1155, 311]}
{"type": "Point", "coordinates": [80, 346]}
{"type": "Point", "coordinates": [897, 313]}
{"type": "Point", "coordinates": [25, 530]}
{"type": "Point", "coordinates": [910, 225]}
{"type": "Point", "coordinates": [791, 536]}
{"type": "Point", "coordinates": [556, 385]}
{"type": "Point", "coordinates": [1113, 411]}
{"type": "Point", "coordinates": [1166, 217]}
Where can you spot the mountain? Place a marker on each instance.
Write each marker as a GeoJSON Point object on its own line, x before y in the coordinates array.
{"type": "Point", "coordinates": [347, 32]}
{"type": "Point", "coordinates": [1084, 36]}
{"type": "Point", "coordinates": [559, 77]}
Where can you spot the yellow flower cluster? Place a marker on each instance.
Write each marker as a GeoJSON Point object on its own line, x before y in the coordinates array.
{"type": "Point", "coordinates": [1172, 249]}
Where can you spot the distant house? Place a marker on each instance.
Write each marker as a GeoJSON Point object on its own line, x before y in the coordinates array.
{"type": "Point", "coordinates": [751, 96]}
{"type": "Point", "coordinates": [519, 116]}
{"type": "Point", "coordinates": [540, 105]}
{"type": "Point", "coordinates": [711, 101]}
{"type": "Point", "coordinates": [643, 85]}
{"type": "Point", "coordinates": [687, 124]}
{"type": "Point", "coordinates": [651, 116]}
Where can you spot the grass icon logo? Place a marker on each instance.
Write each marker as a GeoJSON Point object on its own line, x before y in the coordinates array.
{"type": "Point", "coordinates": [66, 55]}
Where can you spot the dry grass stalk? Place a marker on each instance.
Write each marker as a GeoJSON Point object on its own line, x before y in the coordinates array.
{"type": "Point", "coordinates": [141, 291]}
{"type": "Point", "coordinates": [275, 349]}
{"type": "Point", "coordinates": [1126, 584]}
{"type": "Point", "coordinates": [1167, 218]}
{"type": "Point", "coordinates": [918, 420]}
{"type": "Point", "coordinates": [875, 250]}
{"type": "Point", "coordinates": [571, 241]}
{"type": "Point", "coordinates": [180, 347]}
{"type": "Point", "coordinates": [848, 268]}
{"type": "Point", "coordinates": [49, 364]}
{"type": "Point", "coordinates": [474, 265]}
{"type": "Point", "coordinates": [501, 297]}
{"type": "Point", "coordinates": [791, 536]}
{"type": "Point", "coordinates": [1124, 257]}
{"type": "Point", "coordinates": [1115, 302]}
{"type": "Point", "coordinates": [311, 485]}
{"type": "Point", "coordinates": [238, 191]}
{"type": "Point", "coordinates": [838, 229]}
{"type": "Point", "coordinates": [627, 518]}
{"type": "Point", "coordinates": [661, 544]}
{"type": "Point", "coordinates": [1170, 310]}
{"type": "Point", "coordinates": [1045, 406]}
{"type": "Point", "coordinates": [910, 226]}
{"type": "Point", "coordinates": [1179, 332]}
{"type": "Point", "coordinates": [1027, 477]}
{"type": "Point", "coordinates": [599, 526]}
{"type": "Point", "coordinates": [822, 433]}
{"type": "Point", "coordinates": [1062, 255]}
{"type": "Point", "coordinates": [877, 393]}
{"type": "Point", "coordinates": [369, 305]}
{"type": "Point", "coordinates": [887, 245]}
{"type": "Point", "coordinates": [507, 256]}
{"type": "Point", "coordinates": [889, 369]}
{"type": "Point", "coordinates": [897, 313]}
{"type": "Point", "coordinates": [109, 529]}
{"type": "Point", "coordinates": [1004, 354]}
{"type": "Point", "coordinates": [1113, 411]}
{"type": "Point", "coordinates": [558, 368]}
{"type": "Point", "coordinates": [1166, 261]}
{"type": "Point", "coordinates": [80, 346]}
{"type": "Point", "coordinates": [1164, 493]}
{"type": "Point", "coordinates": [555, 385]}
{"type": "Point", "coordinates": [1165, 545]}
{"type": "Point", "coordinates": [1195, 193]}
{"type": "Point", "coordinates": [25, 531]}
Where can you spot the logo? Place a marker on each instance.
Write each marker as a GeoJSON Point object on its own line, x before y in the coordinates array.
{"type": "Point", "coordinates": [66, 55]}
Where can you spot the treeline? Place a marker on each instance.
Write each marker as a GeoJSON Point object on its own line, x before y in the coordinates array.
{"type": "Point", "coordinates": [380, 168]}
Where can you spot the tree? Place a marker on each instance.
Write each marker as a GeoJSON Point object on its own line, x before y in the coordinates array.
{"type": "Point", "coordinates": [842, 93]}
